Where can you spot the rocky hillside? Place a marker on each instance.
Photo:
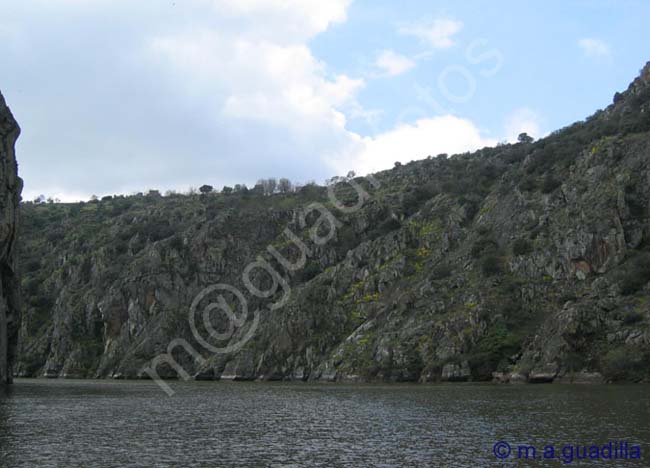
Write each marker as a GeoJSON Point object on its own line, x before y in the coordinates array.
{"type": "Point", "coordinates": [524, 262]}
{"type": "Point", "coordinates": [10, 188]}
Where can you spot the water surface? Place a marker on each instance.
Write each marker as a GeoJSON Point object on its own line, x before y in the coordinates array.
{"type": "Point", "coordinates": [120, 423]}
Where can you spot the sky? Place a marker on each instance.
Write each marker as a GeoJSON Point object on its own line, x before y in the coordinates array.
{"type": "Point", "coordinates": [117, 96]}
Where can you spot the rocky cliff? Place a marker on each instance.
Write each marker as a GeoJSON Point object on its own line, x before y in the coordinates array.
{"type": "Point", "coordinates": [10, 188]}
{"type": "Point", "coordinates": [523, 262]}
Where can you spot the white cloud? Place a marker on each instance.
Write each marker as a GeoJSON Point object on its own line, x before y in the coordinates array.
{"type": "Point", "coordinates": [437, 34]}
{"type": "Point", "coordinates": [392, 64]}
{"type": "Point", "coordinates": [281, 20]}
{"type": "Point", "coordinates": [265, 71]}
{"type": "Point", "coordinates": [265, 90]}
{"type": "Point", "coordinates": [523, 120]}
{"type": "Point", "coordinates": [431, 136]}
{"type": "Point", "coordinates": [595, 48]}
{"type": "Point", "coordinates": [194, 91]}
{"type": "Point", "coordinates": [242, 78]}
{"type": "Point", "coordinates": [284, 85]}
{"type": "Point", "coordinates": [229, 94]}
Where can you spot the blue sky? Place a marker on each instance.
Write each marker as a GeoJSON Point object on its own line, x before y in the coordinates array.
{"type": "Point", "coordinates": [116, 96]}
{"type": "Point", "coordinates": [545, 68]}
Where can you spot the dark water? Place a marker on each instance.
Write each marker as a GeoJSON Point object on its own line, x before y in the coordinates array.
{"type": "Point", "coordinates": [99, 423]}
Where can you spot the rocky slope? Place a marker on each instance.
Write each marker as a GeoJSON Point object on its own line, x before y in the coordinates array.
{"type": "Point", "coordinates": [10, 188]}
{"type": "Point", "coordinates": [525, 262]}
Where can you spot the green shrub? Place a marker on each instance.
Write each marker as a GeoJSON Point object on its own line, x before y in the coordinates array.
{"type": "Point", "coordinates": [528, 184]}
{"type": "Point", "coordinates": [311, 270]}
{"type": "Point", "coordinates": [413, 199]}
{"type": "Point", "coordinates": [32, 266]}
{"type": "Point", "coordinates": [492, 351]}
{"type": "Point", "coordinates": [636, 274]}
{"type": "Point", "coordinates": [121, 247]}
{"type": "Point", "coordinates": [550, 184]}
{"type": "Point", "coordinates": [389, 225]}
{"type": "Point", "coordinates": [626, 363]}
{"type": "Point", "coordinates": [55, 236]}
{"type": "Point", "coordinates": [176, 242]}
{"type": "Point", "coordinates": [31, 286]}
{"type": "Point", "coordinates": [635, 202]}
{"type": "Point", "coordinates": [410, 270]}
{"type": "Point", "coordinates": [156, 230]}
{"type": "Point", "coordinates": [522, 247]}
{"type": "Point", "coordinates": [484, 245]}
{"type": "Point", "coordinates": [410, 203]}
{"type": "Point", "coordinates": [471, 208]}
{"type": "Point", "coordinates": [483, 231]}
{"type": "Point", "coordinates": [632, 317]}
{"type": "Point", "coordinates": [426, 191]}
{"type": "Point", "coordinates": [441, 272]}
{"type": "Point", "coordinates": [491, 265]}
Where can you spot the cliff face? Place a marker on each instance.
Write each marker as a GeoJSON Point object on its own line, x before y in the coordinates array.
{"type": "Point", "coordinates": [525, 262]}
{"type": "Point", "coordinates": [10, 188]}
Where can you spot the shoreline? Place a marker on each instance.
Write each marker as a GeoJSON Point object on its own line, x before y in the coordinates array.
{"type": "Point", "coordinates": [557, 382]}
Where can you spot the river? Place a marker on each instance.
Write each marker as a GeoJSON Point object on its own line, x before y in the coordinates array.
{"type": "Point", "coordinates": [134, 423]}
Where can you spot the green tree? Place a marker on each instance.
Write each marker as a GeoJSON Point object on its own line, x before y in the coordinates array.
{"type": "Point", "coordinates": [525, 138]}
{"type": "Point", "coordinates": [206, 188]}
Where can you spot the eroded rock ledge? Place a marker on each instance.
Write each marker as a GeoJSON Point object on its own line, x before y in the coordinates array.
{"type": "Point", "coordinates": [10, 188]}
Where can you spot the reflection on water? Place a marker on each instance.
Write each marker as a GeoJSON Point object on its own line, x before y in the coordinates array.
{"type": "Point", "coordinates": [107, 423]}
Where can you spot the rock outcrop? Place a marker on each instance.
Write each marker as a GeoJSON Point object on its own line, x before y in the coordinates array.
{"type": "Point", "coordinates": [527, 262]}
{"type": "Point", "coordinates": [10, 188]}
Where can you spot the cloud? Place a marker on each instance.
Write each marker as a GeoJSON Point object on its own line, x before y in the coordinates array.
{"type": "Point", "coordinates": [523, 120]}
{"type": "Point", "coordinates": [438, 34]}
{"type": "Point", "coordinates": [218, 92]}
{"type": "Point", "coordinates": [212, 91]}
{"type": "Point", "coordinates": [235, 77]}
{"type": "Point", "coordinates": [406, 142]}
{"type": "Point", "coordinates": [595, 48]}
{"type": "Point", "coordinates": [282, 20]}
{"type": "Point", "coordinates": [246, 74]}
{"type": "Point", "coordinates": [392, 64]}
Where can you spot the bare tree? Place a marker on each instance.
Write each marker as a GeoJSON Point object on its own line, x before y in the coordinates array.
{"type": "Point", "coordinates": [284, 185]}
{"type": "Point", "coordinates": [273, 185]}
{"type": "Point", "coordinates": [268, 185]}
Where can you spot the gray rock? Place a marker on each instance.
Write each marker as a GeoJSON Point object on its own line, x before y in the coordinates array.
{"type": "Point", "coordinates": [456, 372]}
{"type": "Point", "coordinates": [10, 189]}
{"type": "Point", "coordinates": [480, 258]}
